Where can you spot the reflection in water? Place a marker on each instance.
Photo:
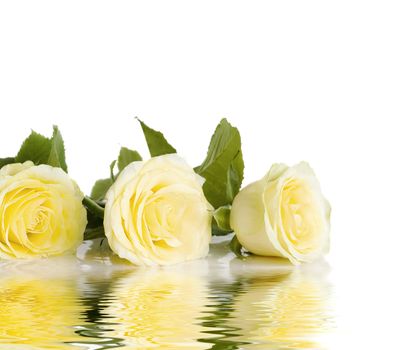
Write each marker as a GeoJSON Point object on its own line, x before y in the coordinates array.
{"type": "Point", "coordinates": [38, 312]}
{"type": "Point", "coordinates": [281, 312]}
{"type": "Point", "coordinates": [210, 304]}
{"type": "Point", "coordinates": [97, 326]}
{"type": "Point", "coordinates": [159, 309]}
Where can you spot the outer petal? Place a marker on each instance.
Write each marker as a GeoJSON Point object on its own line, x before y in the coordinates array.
{"type": "Point", "coordinates": [248, 220]}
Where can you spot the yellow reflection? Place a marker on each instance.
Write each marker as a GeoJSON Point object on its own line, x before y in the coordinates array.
{"type": "Point", "coordinates": [282, 311]}
{"type": "Point", "coordinates": [159, 309]}
{"type": "Point", "coordinates": [37, 313]}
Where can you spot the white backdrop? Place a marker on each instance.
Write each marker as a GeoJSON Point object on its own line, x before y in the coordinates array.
{"type": "Point", "coordinates": [302, 80]}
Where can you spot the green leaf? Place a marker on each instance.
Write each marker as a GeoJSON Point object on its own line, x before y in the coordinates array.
{"type": "Point", "coordinates": [157, 143]}
{"type": "Point", "coordinates": [126, 157]}
{"type": "Point", "coordinates": [223, 168]}
{"type": "Point", "coordinates": [112, 165]}
{"type": "Point", "coordinates": [6, 161]}
{"type": "Point", "coordinates": [42, 150]}
{"type": "Point", "coordinates": [236, 248]}
{"type": "Point", "coordinates": [57, 151]}
{"type": "Point", "coordinates": [222, 218]}
{"type": "Point", "coordinates": [100, 189]}
{"type": "Point", "coordinates": [235, 175]}
{"type": "Point", "coordinates": [36, 148]}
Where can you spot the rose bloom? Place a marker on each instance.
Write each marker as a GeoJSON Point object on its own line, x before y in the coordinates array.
{"type": "Point", "coordinates": [41, 211]}
{"type": "Point", "coordinates": [284, 214]}
{"type": "Point", "coordinates": [156, 213]}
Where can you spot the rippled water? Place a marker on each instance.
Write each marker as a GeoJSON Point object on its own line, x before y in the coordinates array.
{"type": "Point", "coordinates": [100, 302]}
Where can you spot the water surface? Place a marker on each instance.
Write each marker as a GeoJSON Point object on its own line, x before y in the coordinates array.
{"type": "Point", "coordinates": [101, 302]}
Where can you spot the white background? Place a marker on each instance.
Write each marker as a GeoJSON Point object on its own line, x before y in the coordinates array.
{"type": "Point", "coordinates": [302, 80]}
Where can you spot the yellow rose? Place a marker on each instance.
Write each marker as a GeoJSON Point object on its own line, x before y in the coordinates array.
{"type": "Point", "coordinates": [283, 214]}
{"type": "Point", "coordinates": [156, 213]}
{"type": "Point", "coordinates": [41, 211]}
